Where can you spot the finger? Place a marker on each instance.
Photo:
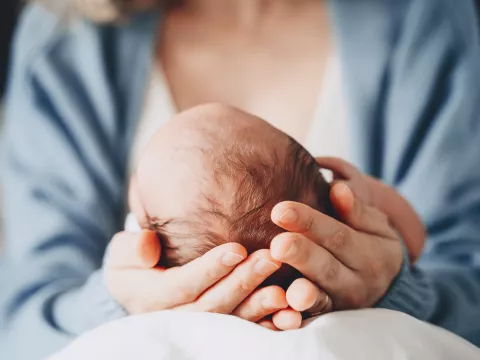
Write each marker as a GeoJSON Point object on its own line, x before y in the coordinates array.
{"type": "Point", "coordinates": [332, 235]}
{"type": "Point", "coordinates": [287, 319]}
{"type": "Point", "coordinates": [193, 279]}
{"type": "Point", "coordinates": [138, 290]}
{"type": "Point", "coordinates": [340, 168]}
{"type": "Point", "coordinates": [133, 250]}
{"type": "Point", "coordinates": [356, 214]}
{"type": "Point", "coordinates": [162, 289]}
{"type": "Point", "coordinates": [305, 296]}
{"type": "Point", "coordinates": [231, 291]}
{"type": "Point", "coordinates": [262, 303]}
{"type": "Point", "coordinates": [312, 261]}
{"type": "Point", "coordinates": [268, 324]}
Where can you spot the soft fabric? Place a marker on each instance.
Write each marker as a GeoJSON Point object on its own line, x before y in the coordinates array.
{"type": "Point", "coordinates": [411, 71]}
{"type": "Point", "coordinates": [348, 335]}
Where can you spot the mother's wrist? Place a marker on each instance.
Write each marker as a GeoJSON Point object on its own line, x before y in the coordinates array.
{"type": "Point", "coordinates": [410, 291]}
{"type": "Point", "coordinates": [403, 272]}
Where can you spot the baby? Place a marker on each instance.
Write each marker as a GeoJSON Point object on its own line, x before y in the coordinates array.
{"type": "Point", "coordinates": [213, 174]}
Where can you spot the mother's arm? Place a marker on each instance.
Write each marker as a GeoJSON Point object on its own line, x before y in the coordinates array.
{"type": "Point", "coordinates": [63, 196]}
{"type": "Point", "coordinates": [432, 147]}
{"type": "Point", "coordinates": [431, 154]}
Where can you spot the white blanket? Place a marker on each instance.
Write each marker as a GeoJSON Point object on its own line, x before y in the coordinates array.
{"type": "Point", "coordinates": [365, 334]}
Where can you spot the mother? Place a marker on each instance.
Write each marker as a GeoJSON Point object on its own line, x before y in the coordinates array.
{"type": "Point", "coordinates": [399, 96]}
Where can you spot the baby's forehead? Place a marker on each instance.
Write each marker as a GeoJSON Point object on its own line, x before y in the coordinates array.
{"type": "Point", "coordinates": [203, 154]}
{"type": "Point", "coordinates": [206, 133]}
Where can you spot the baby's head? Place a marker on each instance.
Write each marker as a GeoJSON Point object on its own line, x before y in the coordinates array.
{"type": "Point", "coordinates": [213, 174]}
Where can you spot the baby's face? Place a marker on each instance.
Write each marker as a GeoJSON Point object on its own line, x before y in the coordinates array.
{"type": "Point", "coordinates": [212, 175]}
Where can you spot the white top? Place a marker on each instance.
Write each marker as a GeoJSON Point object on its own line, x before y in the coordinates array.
{"type": "Point", "coordinates": [327, 136]}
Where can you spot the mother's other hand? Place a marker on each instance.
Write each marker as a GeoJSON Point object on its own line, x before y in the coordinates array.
{"type": "Point", "coordinates": [224, 280]}
{"type": "Point", "coordinates": [354, 263]}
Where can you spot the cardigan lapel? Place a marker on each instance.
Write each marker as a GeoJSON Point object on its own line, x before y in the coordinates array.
{"type": "Point", "coordinates": [363, 35]}
{"type": "Point", "coordinates": [136, 49]}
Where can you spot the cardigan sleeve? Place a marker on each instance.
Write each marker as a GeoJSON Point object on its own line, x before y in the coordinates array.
{"type": "Point", "coordinates": [432, 155]}
{"type": "Point", "coordinates": [63, 192]}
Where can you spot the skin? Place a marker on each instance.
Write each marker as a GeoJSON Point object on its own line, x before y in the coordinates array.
{"type": "Point", "coordinates": [216, 33]}
{"type": "Point", "coordinates": [222, 287]}
{"type": "Point", "coordinates": [182, 149]}
{"type": "Point", "coordinates": [353, 262]}
{"type": "Point", "coordinates": [206, 127]}
{"type": "Point", "coordinates": [374, 193]}
{"type": "Point", "coordinates": [185, 148]}
{"type": "Point", "coordinates": [243, 53]}
{"type": "Point", "coordinates": [136, 256]}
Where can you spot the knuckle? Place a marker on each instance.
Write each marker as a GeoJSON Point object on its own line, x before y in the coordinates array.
{"type": "Point", "coordinates": [246, 285]}
{"type": "Point", "coordinates": [302, 254]}
{"type": "Point", "coordinates": [255, 310]}
{"type": "Point", "coordinates": [331, 271]}
{"type": "Point", "coordinates": [337, 242]}
{"type": "Point", "coordinates": [213, 273]}
{"type": "Point", "coordinates": [309, 223]}
{"type": "Point", "coordinates": [267, 302]}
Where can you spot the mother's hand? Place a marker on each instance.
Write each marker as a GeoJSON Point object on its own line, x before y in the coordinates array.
{"type": "Point", "coordinates": [224, 280]}
{"type": "Point", "coordinates": [354, 263]}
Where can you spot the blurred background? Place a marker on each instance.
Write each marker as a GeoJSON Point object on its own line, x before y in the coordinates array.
{"type": "Point", "coordinates": [9, 10]}
{"type": "Point", "coordinates": [8, 14]}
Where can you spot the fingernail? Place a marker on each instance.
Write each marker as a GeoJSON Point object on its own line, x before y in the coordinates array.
{"type": "Point", "coordinates": [265, 267]}
{"type": "Point", "coordinates": [232, 259]}
{"type": "Point", "coordinates": [289, 216]}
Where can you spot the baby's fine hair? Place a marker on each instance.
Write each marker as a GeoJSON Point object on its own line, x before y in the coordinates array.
{"type": "Point", "coordinates": [260, 180]}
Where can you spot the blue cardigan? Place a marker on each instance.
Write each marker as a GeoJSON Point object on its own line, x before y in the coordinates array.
{"type": "Point", "coordinates": [412, 74]}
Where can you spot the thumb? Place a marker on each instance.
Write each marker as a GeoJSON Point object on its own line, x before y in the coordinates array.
{"type": "Point", "coordinates": [343, 200]}
{"type": "Point", "coordinates": [149, 249]}
{"type": "Point", "coordinates": [356, 214]}
{"type": "Point", "coordinates": [127, 250]}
